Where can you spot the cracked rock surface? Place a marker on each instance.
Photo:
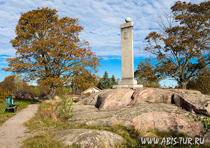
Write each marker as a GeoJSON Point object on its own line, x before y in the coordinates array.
{"type": "Point", "coordinates": [161, 109]}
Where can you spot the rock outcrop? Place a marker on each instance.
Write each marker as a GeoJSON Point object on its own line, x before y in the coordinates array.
{"type": "Point", "coordinates": [161, 109]}
{"type": "Point", "coordinates": [22, 94]}
{"type": "Point", "coordinates": [88, 138]}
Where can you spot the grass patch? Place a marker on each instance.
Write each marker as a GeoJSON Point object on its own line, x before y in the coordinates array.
{"type": "Point", "coordinates": [9, 113]}
{"type": "Point", "coordinates": [48, 120]}
{"type": "Point", "coordinates": [133, 137]}
{"type": "Point", "coordinates": [44, 140]}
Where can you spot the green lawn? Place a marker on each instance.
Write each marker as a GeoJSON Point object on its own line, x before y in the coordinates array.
{"type": "Point", "coordinates": [22, 104]}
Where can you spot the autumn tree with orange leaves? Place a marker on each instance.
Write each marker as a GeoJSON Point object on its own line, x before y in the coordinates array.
{"type": "Point", "coordinates": [183, 50]}
{"type": "Point", "coordinates": [84, 80]}
{"type": "Point", "coordinates": [13, 83]}
{"type": "Point", "coordinates": [8, 84]}
{"type": "Point", "coordinates": [146, 74]}
{"type": "Point", "coordinates": [49, 50]}
{"type": "Point", "coordinates": [201, 82]}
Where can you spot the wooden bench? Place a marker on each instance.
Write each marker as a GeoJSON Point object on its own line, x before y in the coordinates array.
{"type": "Point", "coordinates": [6, 104]}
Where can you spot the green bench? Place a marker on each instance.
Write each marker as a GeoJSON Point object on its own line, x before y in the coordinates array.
{"type": "Point", "coordinates": [8, 106]}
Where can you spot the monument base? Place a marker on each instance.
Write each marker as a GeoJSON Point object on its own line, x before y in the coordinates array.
{"type": "Point", "coordinates": [132, 83]}
{"type": "Point", "coordinates": [127, 86]}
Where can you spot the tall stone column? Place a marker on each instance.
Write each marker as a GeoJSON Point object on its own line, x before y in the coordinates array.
{"type": "Point", "coordinates": [127, 66]}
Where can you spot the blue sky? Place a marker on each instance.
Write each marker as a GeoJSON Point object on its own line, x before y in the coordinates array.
{"type": "Point", "coordinates": [101, 20]}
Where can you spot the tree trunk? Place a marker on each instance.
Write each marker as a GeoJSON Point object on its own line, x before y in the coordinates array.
{"type": "Point", "coordinates": [183, 85]}
{"type": "Point", "coordinates": [52, 92]}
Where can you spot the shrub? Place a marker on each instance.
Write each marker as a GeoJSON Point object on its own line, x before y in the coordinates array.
{"type": "Point", "coordinates": [63, 90]}
{"type": "Point", "coordinates": [201, 82]}
{"type": "Point", "coordinates": [43, 90]}
{"type": "Point", "coordinates": [65, 108]}
{"type": "Point", "coordinates": [3, 95]}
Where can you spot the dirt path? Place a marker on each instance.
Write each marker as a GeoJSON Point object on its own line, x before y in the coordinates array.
{"type": "Point", "coordinates": [12, 131]}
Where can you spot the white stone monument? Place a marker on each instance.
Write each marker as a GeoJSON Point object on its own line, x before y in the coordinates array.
{"type": "Point", "coordinates": [127, 56]}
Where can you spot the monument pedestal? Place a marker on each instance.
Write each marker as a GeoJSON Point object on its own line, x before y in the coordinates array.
{"type": "Point", "coordinates": [127, 56]}
{"type": "Point", "coordinates": [127, 86]}
{"type": "Point", "coordinates": [127, 83]}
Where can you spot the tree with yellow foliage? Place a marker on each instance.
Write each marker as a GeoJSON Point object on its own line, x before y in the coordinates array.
{"type": "Point", "coordinates": [49, 50]}
{"type": "Point", "coordinates": [147, 74]}
{"type": "Point", "coordinates": [182, 50]}
{"type": "Point", "coordinates": [8, 84]}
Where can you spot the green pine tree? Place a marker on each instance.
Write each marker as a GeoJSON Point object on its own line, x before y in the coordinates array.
{"type": "Point", "coordinates": [113, 81]}
{"type": "Point", "coordinates": [100, 84]}
{"type": "Point", "coordinates": [105, 82]}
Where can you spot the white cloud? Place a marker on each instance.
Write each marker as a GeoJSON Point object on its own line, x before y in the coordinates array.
{"type": "Point", "coordinates": [101, 20]}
